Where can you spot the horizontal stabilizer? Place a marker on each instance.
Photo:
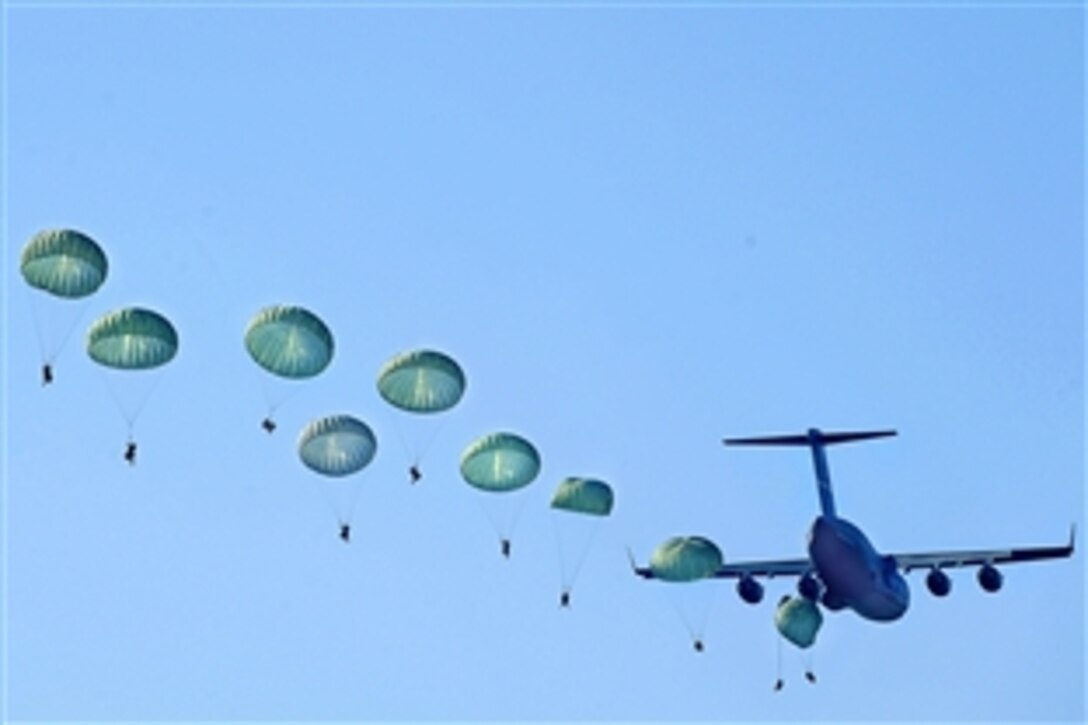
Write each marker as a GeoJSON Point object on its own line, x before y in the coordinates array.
{"type": "Point", "coordinates": [813, 437]}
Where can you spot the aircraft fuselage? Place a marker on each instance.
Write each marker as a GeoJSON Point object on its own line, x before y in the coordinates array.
{"type": "Point", "coordinates": [853, 574]}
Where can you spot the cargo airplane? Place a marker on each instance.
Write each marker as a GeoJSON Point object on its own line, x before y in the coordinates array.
{"type": "Point", "coordinates": [843, 569]}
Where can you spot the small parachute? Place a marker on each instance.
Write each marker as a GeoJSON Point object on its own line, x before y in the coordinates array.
{"type": "Point", "coordinates": [581, 504]}
{"type": "Point", "coordinates": [501, 463]}
{"type": "Point", "coordinates": [584, 496]}
{"type": "Point", "coordinates": [421, 382]}
{"type": "Point", "coordinates": [337, 446]}
{"type": "Point", "coordinates": [798, 619]}
{"type": "Point", "coordinates": [65, 263]}
{"type": "Point", "coordinates": [291, 343]}
{"type": "Point", "coordinates": [133, 338]}
{"type": "Point", "coordinates": [133, 342]}
{"type": "Point", "coordinates": [692, 561]}
{"type": "Point", "coordinates": [67, 267]}
{"type": "Point", "coordinates": [686, 559]}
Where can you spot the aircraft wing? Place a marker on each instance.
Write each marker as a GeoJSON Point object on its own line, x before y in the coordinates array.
{"type": "Point", "coordinates": [769, 568]}
{"type": "Point", "coordinates": [908, 562]}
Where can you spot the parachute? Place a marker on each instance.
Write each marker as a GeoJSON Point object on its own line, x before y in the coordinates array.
{"type": "Point", "coordinates": [685, 559]}
{"type": "Point", "coordinates": [421, 382]}
{"type": "Point", "coordinates": [65, 263]}
{"type": "Point", "coordinates": [133, 338]}
{"type": "Point", "coordinates": [132, 341]}
{"type": "Point", "coordinates": [692, 561]}
{"type": "Point", "coordinates": [67, 266]}
{"type": "Point", "coordinates": [798, 619]}
{"type": "Point", "coordinates": [501, 463]}
{"type": "Point", "coordinates": [584, 496]}
{"type": "Point", "coordinates": [581, 504]}
{"type": "Point", "coordinates": [291, 343]}
{"type": "Point", "coordinates": [337, 446]}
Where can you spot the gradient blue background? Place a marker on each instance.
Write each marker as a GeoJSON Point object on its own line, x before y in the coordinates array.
{"type": "Point", "coordinates": [639, 230]}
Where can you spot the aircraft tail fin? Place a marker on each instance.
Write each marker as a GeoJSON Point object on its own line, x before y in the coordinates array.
{"type": "Point", "coordinates": [815, 440]}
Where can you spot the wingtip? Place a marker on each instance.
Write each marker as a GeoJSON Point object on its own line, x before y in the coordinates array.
{"type": "Point", "coordinates": [640, 571]}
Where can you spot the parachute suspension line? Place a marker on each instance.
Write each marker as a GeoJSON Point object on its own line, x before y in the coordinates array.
{"type": "Point", "coordinates": [581, 553]}
{"type": "Point", "coordinates": [132, 409]}
{"type": "Point", "coordinates": [503, 526]}
{"type": "Point", "coordinates": [429, 441]}
{"type": "Point", "coordinates": [275, 400]}
{"type": "Point", "coordinates": [584, 554]}
{"type": "Point", "coordinates": [810, 672]}
{"type": "Point", "coordinates": [414, 454]}
{"type": "Point", "coordinates": [77, 315]}
{"type": "Point", "coordinates": [39, 333]}
{"type": "Point", "coordinates": [695, 634]}
{"type": "Point", "coordinates": [491, 517]}
{"type": "Point", "coordinates": [518, 508]}
{"type": "Point", "coordinates": [327, 497]}
{"type": "Point", "coordinates": [51, 349]}
{"type": "Point", "coordinates": [403, 440]}
{"type": "Point", "coordinates": [706, 610]}
{"type": "Point", "coordinates": [565, 581]}
{"type": "Point", "coordinates": [354, 492]}
{"type": "Point", "coordinates": [779, 683]}
{"type": "Point", "coordinates": [342, 508]}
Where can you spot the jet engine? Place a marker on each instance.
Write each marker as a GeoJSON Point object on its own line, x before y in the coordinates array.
{"type": "Point", "coordinates": [989, 578]}
{"type": "Point", "coordinates": [750, 590]}
{"type": "Point", "coordinates": [809, 587]}
{"type": "Point", "coordinates": [938, 582]}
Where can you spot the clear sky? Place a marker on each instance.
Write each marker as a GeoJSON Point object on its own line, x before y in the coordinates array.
{"type": "Point", "coordinates": [639, 229]}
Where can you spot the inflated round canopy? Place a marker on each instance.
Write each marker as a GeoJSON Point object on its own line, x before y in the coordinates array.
{"type": "Point", "coordinates": [798, 620]}
{"type": "Point", "coordinates": [291, 342]}
{"type": "Point", "coordinates": [422, 381]}
{"type": "Point", "coordinates": [583, 496]}
{"type": "Point", "coordinates": [64, 262]}
{"type": "Point", "coordinates": [133, 338]}
{"type": "Point", "coordinates": [337, 445]}
{"type": "Point", "coordinates": [686, 559]}
{"type": "Point", "coordinates": [500, 462]}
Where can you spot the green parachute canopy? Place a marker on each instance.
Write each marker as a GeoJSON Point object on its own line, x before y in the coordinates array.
{"type": "Point", "coordinates": [337, 445]}
{"type": "Point", "coordinates": [422, 381]}
{"type": "Point", "coordinates": [798, 620]}
{"type": "Point", "coordinates": [291, 342]}
{"type": "Point", "coordinates": [584, 496]}
{"type": "Point", "coordinates": [500, 462]}
{"type": "Point", "coordinates": [132, 338]}
{"type": "Point", "coordinates": [64, 262]}
{"type": "Point", "coordinates": [686, 559]}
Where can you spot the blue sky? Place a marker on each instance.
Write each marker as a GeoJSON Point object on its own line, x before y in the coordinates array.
{"type": "Point", "coordinates": [639, 229]}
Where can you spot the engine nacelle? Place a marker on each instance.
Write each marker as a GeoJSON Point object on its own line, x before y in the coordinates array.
{"type": "Point", "coordinates": [809, 587]}
{"type": "Point", "coordinates": [989, 578]}
{"type": "Point", "coordinates": [831, 602]}
{"type": "Point", "coordinates": [750, 590]}
{"type": "Point", "coordinates": [938, 582]}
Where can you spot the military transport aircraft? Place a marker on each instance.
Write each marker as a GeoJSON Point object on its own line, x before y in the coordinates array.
{"type": "Point", "coordinates": [843, 569]}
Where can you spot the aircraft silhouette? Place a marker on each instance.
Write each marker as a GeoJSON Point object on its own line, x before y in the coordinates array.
{"type": "Point", "coordinates": [843, 569]}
